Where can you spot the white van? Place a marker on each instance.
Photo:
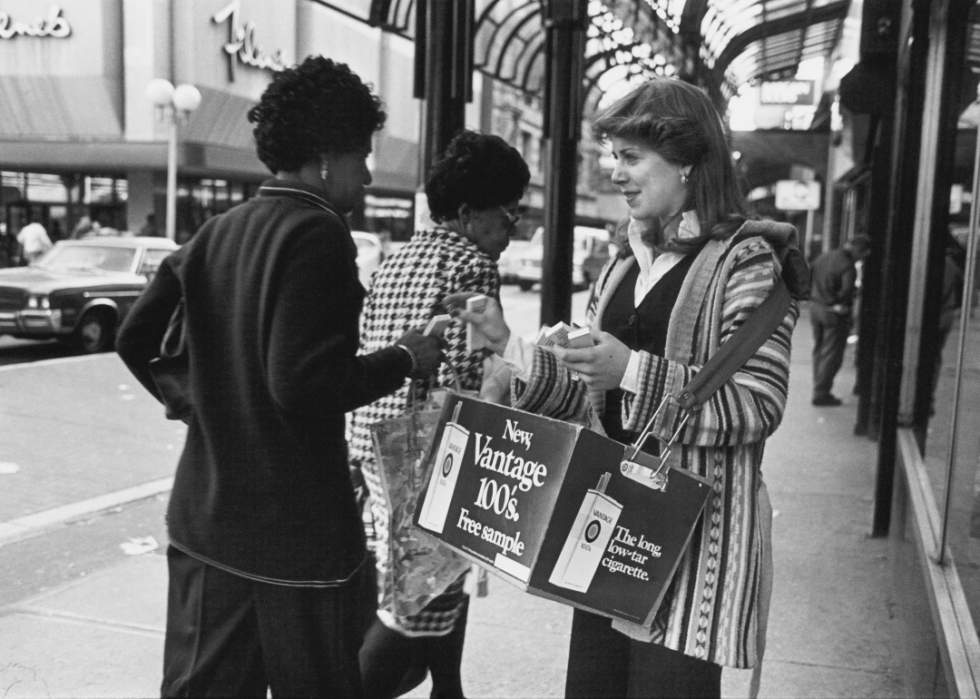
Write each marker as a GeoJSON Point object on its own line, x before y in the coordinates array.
{"type": "Point", "coordinates": [592, 250]}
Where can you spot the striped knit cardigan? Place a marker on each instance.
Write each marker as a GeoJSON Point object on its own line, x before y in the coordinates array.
{"type": "Point", "coordinates": [717, 604]}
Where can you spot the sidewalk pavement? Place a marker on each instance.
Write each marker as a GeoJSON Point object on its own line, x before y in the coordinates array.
{"type": "Point", "coordinates": [830, 632]}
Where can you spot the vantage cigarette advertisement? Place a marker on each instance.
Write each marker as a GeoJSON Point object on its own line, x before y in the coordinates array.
{"type": "Point", "coordinates": [554, 509]}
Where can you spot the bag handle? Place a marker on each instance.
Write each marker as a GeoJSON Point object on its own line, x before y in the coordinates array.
{"type": "Point", "coordinates": [720, 367]}
{"type": "Point", "coordinates": [424, 389]}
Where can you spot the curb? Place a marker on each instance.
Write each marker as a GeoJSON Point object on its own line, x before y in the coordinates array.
{"type": "Point", "coordinates": [22, 527]}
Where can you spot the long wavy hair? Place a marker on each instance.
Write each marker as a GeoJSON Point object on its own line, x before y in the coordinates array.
{"type": "Point", "coordinates": [678, 121]}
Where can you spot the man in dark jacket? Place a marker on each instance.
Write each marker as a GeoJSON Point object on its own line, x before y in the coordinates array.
{"type": "Point", "coordinates": [267, 557]}
{"type": "Point", "coordinates": [834, 278]}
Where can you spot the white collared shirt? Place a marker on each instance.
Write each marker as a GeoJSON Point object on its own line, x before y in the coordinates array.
{"type": "Point", "coordinates": [519, 354]}
{"type": "Point", "coordinates": [652, 270]}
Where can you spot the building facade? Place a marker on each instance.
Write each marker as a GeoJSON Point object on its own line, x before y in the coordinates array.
{"type": "Point", "coordinates": [79, 136]}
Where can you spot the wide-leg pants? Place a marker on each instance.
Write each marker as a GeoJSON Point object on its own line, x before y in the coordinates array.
{"type": "Point", "coordinates": [232, 636]}
{"type": "Point", "coordinates": [605, 663]}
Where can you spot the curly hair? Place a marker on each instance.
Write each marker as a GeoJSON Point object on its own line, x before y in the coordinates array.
{"type": "Point", "coordinates": [319, 106]}
{"type": "Point", "coordinates": [479, 170]}
{"type": "Point", "coordinates": [678, 121]}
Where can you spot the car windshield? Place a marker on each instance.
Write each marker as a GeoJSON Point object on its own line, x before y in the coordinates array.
{"type": "Point", "coordinates": [87, 258]}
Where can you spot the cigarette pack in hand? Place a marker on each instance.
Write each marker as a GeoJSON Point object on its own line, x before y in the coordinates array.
{"type": "Point", "coordinates": [475, 304]}
{"type": "Point", "coordinates": [437, 326]}
{"type": "Point", "coordinates": [579, 338]}
{"type": "Point", "coordinates": [557, 335]}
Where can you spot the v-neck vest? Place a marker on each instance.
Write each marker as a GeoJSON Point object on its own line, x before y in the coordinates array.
{"type": "Point", "coordinates": [641, 328]}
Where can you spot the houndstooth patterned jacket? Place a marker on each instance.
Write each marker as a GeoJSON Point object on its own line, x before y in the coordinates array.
{"type": "Point", "coordinates": [407, 291]}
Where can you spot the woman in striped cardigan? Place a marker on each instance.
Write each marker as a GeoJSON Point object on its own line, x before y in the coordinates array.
{"type": "Point", "coordinates": [694, 269]}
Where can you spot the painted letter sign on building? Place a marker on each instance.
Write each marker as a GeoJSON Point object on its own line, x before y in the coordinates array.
{"type": "Point", "coordinates": [797, 195]}
{"type": "Point", "coordinates": [54, 26]}
{"type": "Point", "coordinates": [241, 43]}
{"type": "Point", "coordinates": [790, 92]}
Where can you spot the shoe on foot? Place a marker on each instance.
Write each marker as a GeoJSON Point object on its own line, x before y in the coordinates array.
{"type": "Point", "coordinates": [827, 401]}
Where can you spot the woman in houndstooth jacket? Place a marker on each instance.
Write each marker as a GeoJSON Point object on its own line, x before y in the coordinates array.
{"type": "Point", "coordinates": [473, 192]}
{"type": "Point", "coordinates": [694, 269]}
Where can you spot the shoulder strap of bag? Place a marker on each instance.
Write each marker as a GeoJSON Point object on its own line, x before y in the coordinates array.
{"type": "Point", "coordinates": [720, 367]}
{"type": "Point", "coordinates": [730, 357]}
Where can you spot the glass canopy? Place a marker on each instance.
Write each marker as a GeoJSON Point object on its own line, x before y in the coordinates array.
{"type": "Point", "coordinates": [720, 44]}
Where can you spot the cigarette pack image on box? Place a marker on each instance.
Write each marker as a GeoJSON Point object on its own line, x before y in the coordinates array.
{"type": "Point", "coordinates": [555, 509]}
{"type": "Point", "coordinates": [591, 532]}
{"type": "Point", "coordinates": [443, 482]}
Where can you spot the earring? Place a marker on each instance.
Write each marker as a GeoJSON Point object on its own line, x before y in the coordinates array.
{"type": "Point", "coordinates": [684, 178]}
{"type": "Point", "coordinates": [323, 170]}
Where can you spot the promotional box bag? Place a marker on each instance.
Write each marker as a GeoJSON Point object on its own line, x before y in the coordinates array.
{"type": "Point", "coordinates": [556, 509]}
{"type": "Point", "coordinates": [565, 513]}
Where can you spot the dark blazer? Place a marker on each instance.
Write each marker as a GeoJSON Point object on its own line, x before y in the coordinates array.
{"type": "Point", "coordinates": [272, 305]}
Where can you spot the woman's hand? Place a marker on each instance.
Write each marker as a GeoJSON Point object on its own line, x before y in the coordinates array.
{"type": "Point", "coordinates": [601, 366]}
{"type": "Point", "coordinates": [489, 325]}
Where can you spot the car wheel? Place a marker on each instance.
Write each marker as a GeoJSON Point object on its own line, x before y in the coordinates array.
{"type": "Point", "coordinates": [525, 285]}
{"type": "Point", "coordinates": [94, 332]}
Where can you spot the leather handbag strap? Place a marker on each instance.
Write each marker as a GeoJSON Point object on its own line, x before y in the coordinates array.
{"type": "Point", "coordinates": [743, 343]}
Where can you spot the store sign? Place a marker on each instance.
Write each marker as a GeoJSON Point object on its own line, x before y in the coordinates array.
{"type": "Point", "coordinates": [797, 195]}
{"type": "Point", "coordinates": [793, 92]}
{"type": "Point", "coordinates": [54, 26]}
{"type": "Point", "coordinates": [241, 46]}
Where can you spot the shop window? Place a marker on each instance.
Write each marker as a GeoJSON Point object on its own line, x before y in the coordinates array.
{"type": "Point", "coordinates": [391, 217]}
{"type": "Point", "coordinates": [949, 375]}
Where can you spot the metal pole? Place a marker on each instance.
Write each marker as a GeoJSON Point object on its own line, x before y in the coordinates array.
{"type": "Point", "coordinates": [171, 174]}
{"type": "Point", "coordinates": [448, 74]}
{"type": "Point", "coordinates": [808, 236]}
{"type": "Point", "coordinates": [565, 24]}
{"type": "Point", "coordinates": [965, 312]}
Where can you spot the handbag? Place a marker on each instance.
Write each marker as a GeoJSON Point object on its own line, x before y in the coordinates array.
{"type": "Point", "coordinates": [170, 370]}
{"type": "Point", "coordinates": [419, 568]}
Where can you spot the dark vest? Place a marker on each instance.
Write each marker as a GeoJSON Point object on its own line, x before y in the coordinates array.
{"type": "Point", "coordinates": [642, 328]}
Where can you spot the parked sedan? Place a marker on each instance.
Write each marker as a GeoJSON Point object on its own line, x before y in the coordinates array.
{"type": "Point", "coordinates": [80, 290]}
{"type": "Point", "coordinates": [591, 252]}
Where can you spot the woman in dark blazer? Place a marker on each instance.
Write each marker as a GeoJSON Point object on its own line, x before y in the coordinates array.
{"type": "Point", "coordinates": [267, 556]}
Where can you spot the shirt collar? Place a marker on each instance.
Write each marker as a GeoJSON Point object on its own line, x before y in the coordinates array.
{"type": "Point", "coordinates": [689, 227]}
{"type": "Point", "coordinates": [298, 190]}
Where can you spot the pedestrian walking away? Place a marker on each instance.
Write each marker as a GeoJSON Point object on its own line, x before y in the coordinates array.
{"type": "Point", "coordinates": [696, 266]}
{"type": "Point", "coordinates": [269, 573]}
{"type": "Point", "coordinates": [832, 296]}
{"type": "Point", "coordinates": [473, 194]}
{"type": "Point", "coordinates": [34, 241]}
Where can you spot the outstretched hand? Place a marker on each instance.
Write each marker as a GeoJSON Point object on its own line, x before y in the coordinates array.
{"type": "Point", "coordinates": [601, 366]}
{"type": "Point", "coordinates": [427, 350]}
{"type": "Point", "coordinates": [489, 324]}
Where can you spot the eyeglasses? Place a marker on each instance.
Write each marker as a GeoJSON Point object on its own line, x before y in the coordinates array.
{"type": "Point", "coordinates": [512, 219]}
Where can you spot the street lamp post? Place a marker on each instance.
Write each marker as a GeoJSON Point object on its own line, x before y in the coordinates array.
{"type": "Point", "coordinates": [173, 104]}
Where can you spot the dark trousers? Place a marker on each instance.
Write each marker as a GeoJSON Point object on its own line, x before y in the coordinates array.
{"type": "Point", "coordinates": [830, 331]}
{"type": "Point", "coordinates": [604, 663]}
{"type": "Point", "coordinates": [393, 664]}
{"type": "Point", "coordinates": [231, 636]}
